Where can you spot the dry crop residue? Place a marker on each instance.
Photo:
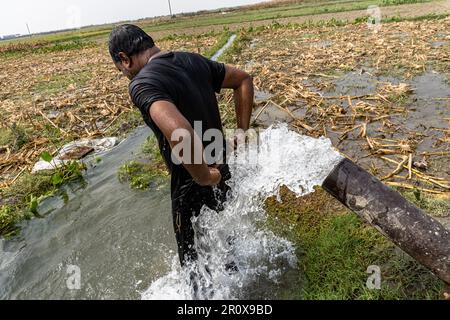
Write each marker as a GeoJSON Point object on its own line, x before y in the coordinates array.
{"type": "Point", "coordinates": [369, 92]}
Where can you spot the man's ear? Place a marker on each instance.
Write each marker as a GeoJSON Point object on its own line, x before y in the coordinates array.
{"type": "Point", "coordinates": [126, 60]}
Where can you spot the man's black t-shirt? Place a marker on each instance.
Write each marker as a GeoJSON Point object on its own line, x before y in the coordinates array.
{"type": "Point", "coordinates": [190, 81]}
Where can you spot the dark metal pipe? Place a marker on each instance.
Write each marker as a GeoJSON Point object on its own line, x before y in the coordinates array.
{"type": "Point", "coordinates": [416, 233]}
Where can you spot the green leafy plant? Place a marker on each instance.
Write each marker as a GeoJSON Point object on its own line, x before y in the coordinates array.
{"type": "Point", "coordinates": [9, 216]}
{"type": "Point", "coordinates": [14, 136]}
{"type": "Point", "coordinates": [31, 189]}
{"type": "Point", "coordinates": [146, 173]}
{"type": "Point", "coordinates": [68, 171]}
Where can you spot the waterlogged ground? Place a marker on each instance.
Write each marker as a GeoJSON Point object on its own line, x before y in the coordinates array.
{"type": "Point", "coordinates": [382, 98]}
{"type": "Point", "coordinates": [330, 81]}
{"type": "Point", "coordinates": [378, 97]}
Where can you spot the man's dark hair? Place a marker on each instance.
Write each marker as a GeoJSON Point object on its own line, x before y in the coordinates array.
{"type": "Point", "coordinates": [129, 39]}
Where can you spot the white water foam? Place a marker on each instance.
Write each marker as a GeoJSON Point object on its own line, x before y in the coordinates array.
{"type": "Point", "coordinates": [236, 234]}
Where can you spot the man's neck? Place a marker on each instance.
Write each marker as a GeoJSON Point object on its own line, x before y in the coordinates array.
{"type": "Point", "coordinates": [153, 53]}
{"type": "Point", "coordinates": [145, 57]}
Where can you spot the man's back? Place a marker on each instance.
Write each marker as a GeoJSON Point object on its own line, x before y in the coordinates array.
{"type": "Point", "coordinates": [175, 91]}
{"type": "Point", "coordinates": [189, 81]}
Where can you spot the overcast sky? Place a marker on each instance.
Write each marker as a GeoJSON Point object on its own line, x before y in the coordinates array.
{"type": "Point", "coordinates": [47, 15]}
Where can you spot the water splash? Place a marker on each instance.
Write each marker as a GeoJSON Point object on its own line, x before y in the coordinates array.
{"type": "Point", "coordinates": [236, 235]}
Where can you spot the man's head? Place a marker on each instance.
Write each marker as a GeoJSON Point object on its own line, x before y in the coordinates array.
{"type": "Point", "coordinates": [129, 45]}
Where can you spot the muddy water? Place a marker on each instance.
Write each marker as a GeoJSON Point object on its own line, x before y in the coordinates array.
{"type": "Point", "coordinates": [120, 239]}
{"type": "Point", "coordinates": [426, 112]}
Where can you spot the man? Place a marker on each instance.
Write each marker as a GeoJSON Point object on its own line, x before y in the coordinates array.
{"type": "Point", "coordinates": [175, 91]}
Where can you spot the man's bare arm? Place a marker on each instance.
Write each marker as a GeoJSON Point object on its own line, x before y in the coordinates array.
{"type": "Point", "coordinates": [242, 83]}
{"type": "Point", "coordinates": [168, 119]}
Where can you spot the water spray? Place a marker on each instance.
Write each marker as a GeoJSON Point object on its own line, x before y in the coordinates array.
{"type": "Point", "coordinates": [284, 158]}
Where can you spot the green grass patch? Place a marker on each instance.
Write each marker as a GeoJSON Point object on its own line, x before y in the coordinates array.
{"type": "Point", "coordinates": [223, 39]}
{"type": "Point", "coordinates": [436, 206]}
{"type": "Point", "coordinates": [9, 217]}
{"type": "Point", "coordinates": [151, 148]}
{"type": "Point", "coordinates": [399, 2]}
{"type": "Point", "coordinates": [335, 250]}
{"type": "Point", "coordinates": [20, 49]}
{"type": "Point", "coordinates": [431, 16]}
{"type": "Point", "coordinates": [126, 123]}
{"type": "Point", "coordinates": [141, 176]}
{"type": "Point", "coordinates": [54, 135]}
{"type": "Point", "coordinates": [60, 82]}
{"type": "Point", "coordinates": [147, 172]}
{"type": "Point", "coordinates": [70, 39]}
{"type": "Point", "coordinates": [14, 137]}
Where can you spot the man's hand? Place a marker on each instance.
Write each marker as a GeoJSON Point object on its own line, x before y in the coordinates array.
{"type": "Point", "coordinates": [216, 177]}
{"type": "Point", "coordinates": [169, 119]}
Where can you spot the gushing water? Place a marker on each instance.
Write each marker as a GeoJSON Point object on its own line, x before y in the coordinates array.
{"type": "Point", "coordinates": [236, 236]}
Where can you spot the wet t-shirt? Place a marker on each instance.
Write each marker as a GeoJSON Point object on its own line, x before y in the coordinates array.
{"type": "Point", "coordinates": [189, 81]}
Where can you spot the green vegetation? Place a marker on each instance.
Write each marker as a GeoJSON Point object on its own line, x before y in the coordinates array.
{"type": "Point", "coordinates": [141, 176]}
{"type": "Point", "coordinates": [151, 148]}
{"type": "Point", "coordinates": [9, 216]}
{"type": "Point", "coordinates": [54, 135]}
{"type": "Point", "coordinates": [21, 49]}
{"type": "Point", "coordinates": [223, 39]}
{"type": "Point", "coordinates": [438, 207]}
{"type": "Point", "coordinates": [336, 249]}
{"type": "Point", "coordinates": [431, 16]}
{"type": "Point", "coordinates": [147, 172]}
{"type": "Point", "coordinates": [14, 137]}
{"type": "Point", "coordinates": [58, 83]}
{"type": "Point", "coordinates": [21, 200]}
{"type": "Point", "coordinates": [273, 13]}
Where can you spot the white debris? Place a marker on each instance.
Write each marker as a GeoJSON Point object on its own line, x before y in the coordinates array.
{"type": "Point", "coordinates": [44, 165]}
{"type": "Point", "coordinates": [99, 146]}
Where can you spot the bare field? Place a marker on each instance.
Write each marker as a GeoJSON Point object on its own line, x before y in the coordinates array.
{"type": "Point", "coordinates": [403, 11]}
{"type": "Point", "coordinates": [383, 98]}
{"type": "Point", "coordinates": [58, 97]}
